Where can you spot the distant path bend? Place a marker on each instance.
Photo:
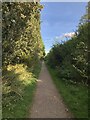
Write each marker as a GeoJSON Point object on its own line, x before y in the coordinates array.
{"type": "Point", "coordinates": [47, 102]}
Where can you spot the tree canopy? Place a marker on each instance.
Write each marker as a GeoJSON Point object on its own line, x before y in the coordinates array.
{"type": "Point", "coordinates": [22, 41]}
{"type": "Point", "coordinates": [71, 58]}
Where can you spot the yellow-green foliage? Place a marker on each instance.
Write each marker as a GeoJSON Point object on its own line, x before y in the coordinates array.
{"type": "Point", "coordinates": [22, 50]}
{"type": "Point", "coordinates": [18, 87]}
{"type": "Point", "coordinates": [21, 69]}
{"type": "Point", "coordinates": [16, 78]}
{"type": "Point", "coordinates": [21, 35]}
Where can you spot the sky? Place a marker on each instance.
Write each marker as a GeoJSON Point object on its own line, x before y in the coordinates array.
{"type": "Point", "coordinates": [58, 19]}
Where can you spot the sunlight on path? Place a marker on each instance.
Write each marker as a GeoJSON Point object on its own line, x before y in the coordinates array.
{"type": "Point", "coordinates": [47, 102]}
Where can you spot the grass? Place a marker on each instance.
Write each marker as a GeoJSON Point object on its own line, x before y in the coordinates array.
{"type": "Point", "coordinates": [19, 85]}
{"type": "Point", "coordinates": [75, 96]}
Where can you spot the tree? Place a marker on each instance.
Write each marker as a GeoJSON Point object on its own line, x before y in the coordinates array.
{"type": "Point", "coordinates": [22, 42]}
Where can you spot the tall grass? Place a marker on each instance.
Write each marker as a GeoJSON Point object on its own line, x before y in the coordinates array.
{"type": "Point", "coordinates": [74, 95]}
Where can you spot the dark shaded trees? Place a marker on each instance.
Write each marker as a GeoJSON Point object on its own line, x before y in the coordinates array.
{"type": "Point", "coordinates": [71, 58]}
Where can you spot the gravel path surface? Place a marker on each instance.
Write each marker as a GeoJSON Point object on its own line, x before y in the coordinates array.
{"type": "Point", "coordinates": [47, 102]}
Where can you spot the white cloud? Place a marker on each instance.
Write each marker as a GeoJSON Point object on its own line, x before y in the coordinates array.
{"type": "Point", "coordinates": [61, 37]}
{"type": "Point", "coordinates": [71, 34]}
{"type": "Point", "coordinates": [58, 37]}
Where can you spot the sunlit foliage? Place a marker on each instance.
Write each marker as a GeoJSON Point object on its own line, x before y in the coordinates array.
{"type": "Point", "coordinates": [23, 51]}
{"type": "Point", "coordinates": [22, 42]}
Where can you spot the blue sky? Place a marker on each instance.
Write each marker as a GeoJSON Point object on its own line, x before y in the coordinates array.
{"type": "Point", "coordinates": [59, 18]}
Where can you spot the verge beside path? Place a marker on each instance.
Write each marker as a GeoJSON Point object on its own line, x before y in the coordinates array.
{"type": "Point", "coordinates": [47, 102]}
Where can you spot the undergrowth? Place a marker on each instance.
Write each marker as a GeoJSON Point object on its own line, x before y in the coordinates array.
{"type": "Point", "coordinates": [74, 95]}
{"type": "Point", "coordinates": [19, 84]}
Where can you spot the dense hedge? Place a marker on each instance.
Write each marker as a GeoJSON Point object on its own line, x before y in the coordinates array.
{"type": "Point", "coordinates": [23, 50]}
{"type": "Point", "coordinates": [22, 41]}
